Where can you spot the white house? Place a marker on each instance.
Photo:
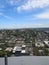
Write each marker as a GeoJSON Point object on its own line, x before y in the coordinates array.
{"type": "Point", "coordinates": [0, 49]}
{"type": "Point", "coordinates": [46, 43]}
{"type": "Point", "coordinates": [8, 49]}
{"type": "Point", "coordinates": [39, 44]}
{"type": "Point", "coordinates": [16, 48]}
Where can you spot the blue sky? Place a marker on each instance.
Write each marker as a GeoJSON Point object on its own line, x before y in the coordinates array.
{"type": "Point", "coordinates": [24, 14]}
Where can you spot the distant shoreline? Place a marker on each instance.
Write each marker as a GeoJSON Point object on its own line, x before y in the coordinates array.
{"type": "Point", "coordinates": [41, 28]}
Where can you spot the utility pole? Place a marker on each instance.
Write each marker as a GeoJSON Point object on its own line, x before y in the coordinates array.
{"type": "Point", "coordinates": [6, 62]}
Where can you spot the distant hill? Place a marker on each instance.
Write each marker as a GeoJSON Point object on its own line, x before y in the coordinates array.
{"type": "Point", "coordinates": [40, 29]}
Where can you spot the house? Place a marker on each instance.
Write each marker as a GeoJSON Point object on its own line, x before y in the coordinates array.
{"type": "Point", "coordinates": [8, 49]}
{"type": "Point", "coordinates": [0, 49]}
{"type": "Point", "coordinates": [17, 50]}
{"type": "Point", "coordinates": [24, 50]}
{"type": "Point", "coordinates": [14, 49]}
{"type": "Point", "coordinates": [39, 44]}
{"type": "Point", "coordinates": [46, 43]}
{"type": "Point", "coordinates": [41, 51]}
{"type": "Point", "coordinates": [2, 43]}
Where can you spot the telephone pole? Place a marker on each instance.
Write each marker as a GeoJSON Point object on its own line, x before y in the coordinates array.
{"type": "Point", "coordinates": [6, 62]}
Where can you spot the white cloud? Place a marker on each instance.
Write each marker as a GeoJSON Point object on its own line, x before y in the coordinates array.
{"type": "Point", "coordinates": [30, 4]}
{"type": "Point", "coordinates": [43, 15]}
{"type": "Point", "coordinates": [35, 25]}
{"type": "Point", "coordinates": [13, 2]}
{"type": "Point", "coordinates": [5, 16]}
{"type": "Point", "coordinates": [14, 26]}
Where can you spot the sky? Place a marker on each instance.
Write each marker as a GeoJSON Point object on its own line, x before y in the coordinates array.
{"type": "Point", "coordinates": [24, 14]}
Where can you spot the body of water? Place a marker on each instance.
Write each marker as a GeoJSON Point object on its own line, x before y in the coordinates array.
{"type": "Point", "coordinates": [26, 60]}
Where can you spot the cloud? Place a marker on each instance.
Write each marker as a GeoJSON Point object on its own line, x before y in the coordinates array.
{"type": "Point", "coordinates": [42, 15]}
{"type": "Point", "coordinates": [30, 4]}
{"type": "Point", "coordinates": [13, 2]}
{"type": "Point", "coordinates": [5, 16]}
{"type": "Point", "coordinates": [35, 25]}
